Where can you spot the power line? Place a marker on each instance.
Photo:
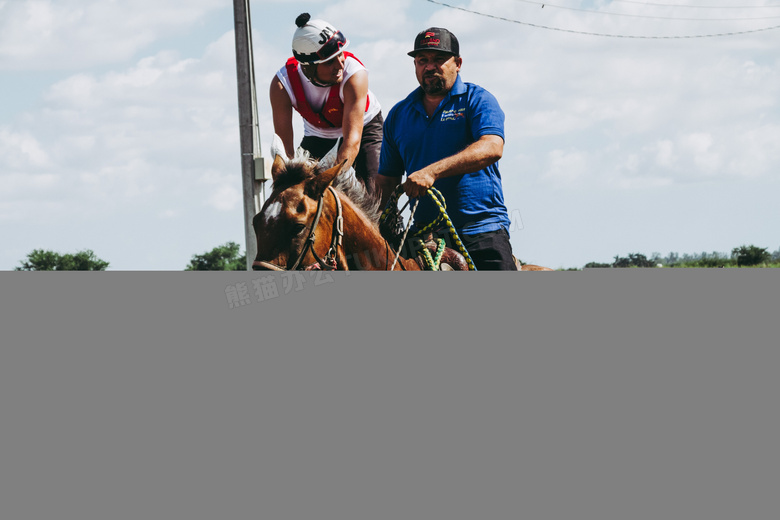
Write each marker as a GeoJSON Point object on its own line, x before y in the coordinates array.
{"type": "Point", "coordinates": [610, 13]}
{"type": "Point", "coordinates": [586, 33]}
{"type": "Point", "coordinates": [700, 6]}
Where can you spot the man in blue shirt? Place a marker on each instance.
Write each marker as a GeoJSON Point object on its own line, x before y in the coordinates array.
{"type": "Point", "coordinates": [450, 134]}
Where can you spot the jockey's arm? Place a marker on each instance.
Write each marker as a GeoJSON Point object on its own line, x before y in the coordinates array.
{"type": "Point", "coordinates": [282, 110]}
{"type": "Point", "coordinates": [355, 97]}
{"type": "Point", "coordinates": [482, 153]}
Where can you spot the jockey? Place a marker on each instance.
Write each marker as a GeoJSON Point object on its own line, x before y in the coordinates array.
{"type": "Point", "coordinates": [328, 87]}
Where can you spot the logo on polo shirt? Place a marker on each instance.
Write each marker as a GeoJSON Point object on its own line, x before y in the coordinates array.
{"type": "Point", "coordinates": [453, 115]}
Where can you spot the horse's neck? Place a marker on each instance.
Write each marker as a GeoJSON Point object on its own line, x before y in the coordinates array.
{"type": "Point", "coordinates": [365, 247]}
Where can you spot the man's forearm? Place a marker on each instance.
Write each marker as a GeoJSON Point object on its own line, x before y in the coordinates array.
{"type": "Point", "coordinates": [474, 157]}
{"type": "Point", "coordinates": [282, 113]}
{"type": "Point", "coordinates": [350, 148]}
{"type": "Point", "coordinates": [355, 95]}
{"type": "Point", "coordinates": [480, 154]}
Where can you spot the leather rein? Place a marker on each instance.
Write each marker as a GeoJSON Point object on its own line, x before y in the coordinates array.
{"type": "Point", "coordinates": [329, 262]}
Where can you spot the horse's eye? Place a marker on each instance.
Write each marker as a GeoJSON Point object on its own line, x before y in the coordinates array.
{"type": "Point", "coordinates": [298, 228]}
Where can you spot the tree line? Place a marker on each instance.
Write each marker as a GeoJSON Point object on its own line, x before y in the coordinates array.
{"type": "Point", "coordinates": [742, 256]}
{"type": "Point", "coordinates": [228, 257]}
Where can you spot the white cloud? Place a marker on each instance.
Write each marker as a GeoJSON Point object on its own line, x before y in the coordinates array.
{"type": "Point", "coordinates": [20, 151]}
{"type": "Point", "coordinates": [226, 198]}
{"type": "Point", "coordinates": [567, 168]}
{"type": "Point", "coordinates": [52, 34]}
{"type": "Point", "coordinates": [759, 153]}
{"type": "Point", "coordinates": [137, 130]}
{"type": "Point", "coordinates": [357, 19]}
{"type": "Point", "coordinates": [139, 134]}
{"type": "Point", "coordinates": [699, 147]}
{"type": "Point", "coordinates": [75, 92]}
{"type": "Point", "coordinates": [664, 153]}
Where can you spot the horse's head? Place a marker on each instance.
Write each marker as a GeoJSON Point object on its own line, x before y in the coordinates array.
{"type": "Point", "coordinates": [285, 227]}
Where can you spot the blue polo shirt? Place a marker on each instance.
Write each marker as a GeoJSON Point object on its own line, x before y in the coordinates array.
{"type": "Point", "coordinates": [412, 141]}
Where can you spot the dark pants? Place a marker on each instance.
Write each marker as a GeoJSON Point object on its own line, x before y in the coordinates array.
{"type": "Point", "coordinates": [490, 251]}
{"type": "Point", "coordinates": [367, 160]}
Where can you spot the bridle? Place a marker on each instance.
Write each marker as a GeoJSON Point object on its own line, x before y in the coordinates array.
{"type": "Point", "coordinates": [329, 262]}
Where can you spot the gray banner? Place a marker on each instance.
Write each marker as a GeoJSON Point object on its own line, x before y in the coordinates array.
{"type": "Point", "coordinates": [603, 394]}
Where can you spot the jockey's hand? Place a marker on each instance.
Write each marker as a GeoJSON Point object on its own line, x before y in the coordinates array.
{"type": "Point", "coordinates": [417, 184]}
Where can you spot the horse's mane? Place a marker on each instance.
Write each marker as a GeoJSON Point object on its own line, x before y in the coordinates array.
{"type": "Point", "coordinates": [303, 167]}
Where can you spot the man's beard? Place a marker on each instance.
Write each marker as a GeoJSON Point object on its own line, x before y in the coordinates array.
{"type": "Point", "coordinates": [433, 84]}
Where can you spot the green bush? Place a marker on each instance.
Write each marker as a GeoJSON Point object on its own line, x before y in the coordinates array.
{"type": "Point", "coordinates": [596, 264]}
{"type": "Point", "coordinates": [634, 260]}
{"type": "Point", "coordinates": [42, 260]}
{"type": "Point", "coordinates": [751, 255]}
{"type": "Point", "coordinates": [226, 257]}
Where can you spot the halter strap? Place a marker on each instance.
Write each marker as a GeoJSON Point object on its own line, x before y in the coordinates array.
{"type": "Point", "coordinates": [329, 263]}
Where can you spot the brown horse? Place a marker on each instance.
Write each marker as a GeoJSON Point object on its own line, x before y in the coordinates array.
{"type": "Point", "coordinates": [318, 218]}
{"type": "Point", "coordinates": [324, 219]}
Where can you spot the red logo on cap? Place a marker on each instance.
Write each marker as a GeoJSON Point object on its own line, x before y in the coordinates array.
{"type": "Point", "coordinates": [430, 40]}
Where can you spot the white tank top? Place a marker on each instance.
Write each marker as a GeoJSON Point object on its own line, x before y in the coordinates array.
{"type": "Point", "coordinates": [318, 95]}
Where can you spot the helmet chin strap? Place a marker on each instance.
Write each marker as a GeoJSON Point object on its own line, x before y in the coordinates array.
{"type": "Point", "coordinates": [318, 84]}
{"type": "Point", "coordinates": [313, 77]}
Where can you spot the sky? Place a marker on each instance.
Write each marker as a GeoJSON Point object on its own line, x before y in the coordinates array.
{"type": "Point", "coordinates": [630, 127]}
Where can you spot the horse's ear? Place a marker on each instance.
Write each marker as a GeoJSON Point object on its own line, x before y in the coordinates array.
{"type": "Point", "coordinates": [324, 179]}
{"type": "Point", "coordinates": [330, 158]}
{"type": "Point", "coordinates": [280, 155]}
{"type": "Point", "coordinates": [278, 167]}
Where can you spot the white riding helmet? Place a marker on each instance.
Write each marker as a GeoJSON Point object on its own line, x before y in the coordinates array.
{"type": "Point", "coordinates": [316, 41]}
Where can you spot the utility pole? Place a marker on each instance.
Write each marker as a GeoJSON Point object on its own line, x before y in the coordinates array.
{"type": "Point", "coordinates": [253, 169]}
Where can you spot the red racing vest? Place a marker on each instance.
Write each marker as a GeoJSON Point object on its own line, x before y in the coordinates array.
{"type": "Point", "coordinates": [332, 111]}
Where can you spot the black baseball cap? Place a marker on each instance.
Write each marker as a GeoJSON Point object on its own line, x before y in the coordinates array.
{"type": "Point", "coordinates": [436, 39]}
